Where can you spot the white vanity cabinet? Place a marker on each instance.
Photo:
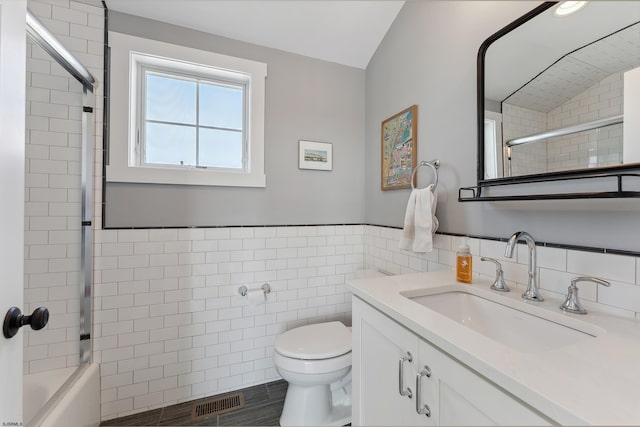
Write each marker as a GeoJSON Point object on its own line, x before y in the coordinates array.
{"type": "Point", "coordinates": [454, 394]}
{"type": "Point", "coordinates": [382, 351]}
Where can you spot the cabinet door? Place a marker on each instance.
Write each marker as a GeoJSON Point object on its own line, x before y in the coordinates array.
{"type": "Point", "coordinates": [378, 345]}
{"type": "Point", "coordinates": [459, 396]}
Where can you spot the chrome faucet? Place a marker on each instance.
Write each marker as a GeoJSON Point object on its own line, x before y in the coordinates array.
{"type": "Point", "coordinates": [572, 303]}
{"type": "Point", "coordinates": [532, 293]}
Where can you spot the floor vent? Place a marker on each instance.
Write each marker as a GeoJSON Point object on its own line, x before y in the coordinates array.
{"type": "Point", "coordinates": [217, 405]}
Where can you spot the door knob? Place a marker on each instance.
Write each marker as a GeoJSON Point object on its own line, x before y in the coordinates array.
{"type": "Point", "coordinates": [14, 320]}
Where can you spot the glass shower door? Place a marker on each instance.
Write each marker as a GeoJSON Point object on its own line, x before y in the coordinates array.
{"type": "Point", "coordinates": [57, 217]}
{"type": "Point", "coordinates": [53, 209]}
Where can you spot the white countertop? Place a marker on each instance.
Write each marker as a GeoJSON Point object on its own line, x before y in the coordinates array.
{"type": "Point", "coordinates": [594, 381]}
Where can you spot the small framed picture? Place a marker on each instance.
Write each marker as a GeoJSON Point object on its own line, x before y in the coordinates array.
{"type": "Point", "coordinates": [315, 155]}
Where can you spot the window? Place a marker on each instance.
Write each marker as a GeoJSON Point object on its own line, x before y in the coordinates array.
{"type": "Point", "coordinates": [189, 121]}
{"type": "Point", "coordinates": [194, 117]}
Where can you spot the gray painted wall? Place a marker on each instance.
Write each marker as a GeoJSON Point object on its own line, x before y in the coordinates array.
{"type": "Point", "coordinates": [428, 58]}
{"type": "Point", "coordinates": [491, 105]}
{"type": "Point", "coordinates": [305, 99]}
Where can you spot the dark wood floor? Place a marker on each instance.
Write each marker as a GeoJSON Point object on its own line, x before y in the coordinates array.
{"type": "Point", "coordinates": [262, 407]}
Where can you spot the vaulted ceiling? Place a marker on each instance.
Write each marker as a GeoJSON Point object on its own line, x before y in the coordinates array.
{"type": "Point", "coordinates": [341, 31]}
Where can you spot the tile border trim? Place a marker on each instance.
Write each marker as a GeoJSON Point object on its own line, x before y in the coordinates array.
{"type": "Point", "coordinates": [593, 249]}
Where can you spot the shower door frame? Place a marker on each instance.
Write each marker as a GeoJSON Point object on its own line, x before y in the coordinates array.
{"type": "Point", "coordinates": [86, 257]}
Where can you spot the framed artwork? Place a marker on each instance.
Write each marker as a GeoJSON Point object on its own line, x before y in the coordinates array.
{"type": "Point", "coordinates": [315, 155]}
{"type": "Point", "coordinates": [399, 148]}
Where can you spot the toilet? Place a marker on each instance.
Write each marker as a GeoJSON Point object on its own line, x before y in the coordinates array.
{"type": "Point", "coordinates": [316, 362]}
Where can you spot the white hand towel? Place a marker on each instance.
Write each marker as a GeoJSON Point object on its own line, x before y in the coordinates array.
{"type": "Point", "coordinates": [409, 230]}
{"type": "Point", "coordinates": [420, 221]}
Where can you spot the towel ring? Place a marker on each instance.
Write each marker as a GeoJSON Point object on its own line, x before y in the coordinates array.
{"type": "Point", "coordinates": [434, 165]}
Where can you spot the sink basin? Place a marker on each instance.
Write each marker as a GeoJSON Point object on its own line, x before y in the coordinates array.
{"type": "Point", "coordinates": [512, 327]}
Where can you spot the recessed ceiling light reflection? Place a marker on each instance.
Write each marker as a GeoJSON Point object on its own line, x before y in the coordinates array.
{"type": "Point", "coordinates": [568, 7]}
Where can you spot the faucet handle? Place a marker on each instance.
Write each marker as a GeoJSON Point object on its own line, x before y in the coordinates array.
{"type": "Point", "coordinates": [498, 284]}
{"type": "Point", "coordinates": [572, 303]}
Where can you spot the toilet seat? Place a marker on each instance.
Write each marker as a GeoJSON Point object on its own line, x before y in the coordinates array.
{"type": "Point", "coordinates": [315, 342]}
{"type": "Point", "coordinates": [306, 366]}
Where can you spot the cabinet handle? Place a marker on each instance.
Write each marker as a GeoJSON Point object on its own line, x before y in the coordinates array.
{"type": "Point", "coordinates": [425, 410]}
{"type": "Point", "coordinates": [401, 390]}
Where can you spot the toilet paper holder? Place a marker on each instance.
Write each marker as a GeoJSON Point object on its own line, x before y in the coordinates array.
{"type": "Point", "coordinates": [242, 290]}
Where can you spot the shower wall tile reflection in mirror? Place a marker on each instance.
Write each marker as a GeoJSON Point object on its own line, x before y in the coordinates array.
{"type": "Point", "coordinates": [559, 75]}
{"type": "Point", "coordinates": [587, 149]}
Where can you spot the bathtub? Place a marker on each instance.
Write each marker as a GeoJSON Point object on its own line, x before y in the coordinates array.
{"type": "Point", "coordinates": [64, 397]}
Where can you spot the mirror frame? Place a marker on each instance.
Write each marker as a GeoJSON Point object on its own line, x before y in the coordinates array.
{"type": "Point", "coordinates": [603, 171]}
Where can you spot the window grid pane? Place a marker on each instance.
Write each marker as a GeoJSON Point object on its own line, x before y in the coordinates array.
{"type": "Point", "coordinates": [213, 124]}
{"type": "Point", "coordinates": [220, 106]}
{"type": "Point", "coordinates": [170, 144]}
{"type": "Point", "coordinates": [220, 148]}
{"type": "Point", "coordinates": [170, 99]}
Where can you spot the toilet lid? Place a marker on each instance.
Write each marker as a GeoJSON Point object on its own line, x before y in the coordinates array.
{"type": "Point", "coordinates": [319, 341]}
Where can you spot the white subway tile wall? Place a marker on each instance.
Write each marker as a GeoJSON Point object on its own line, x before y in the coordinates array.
{"type": "Point", "coordinates": [601, 147]}
{"type": "Point", "coordinates": [169, 322]}
{"type": "Point", "coordinates": [53, 181]}
{"type": "Point", "coordinates": [518, 121]}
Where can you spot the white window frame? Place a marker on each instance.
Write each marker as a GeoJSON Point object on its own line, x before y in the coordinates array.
{"type": "Point", "coordinates": [128, 54]}
{"type": "Point", "coordinates": [493, 163]}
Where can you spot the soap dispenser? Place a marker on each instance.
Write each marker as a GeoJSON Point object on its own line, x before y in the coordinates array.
{"type": "Point", "coordinates": [463, 262]}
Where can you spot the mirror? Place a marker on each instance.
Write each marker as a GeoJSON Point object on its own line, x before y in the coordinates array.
{"type": "Point", "coordinates": [554, 91]}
